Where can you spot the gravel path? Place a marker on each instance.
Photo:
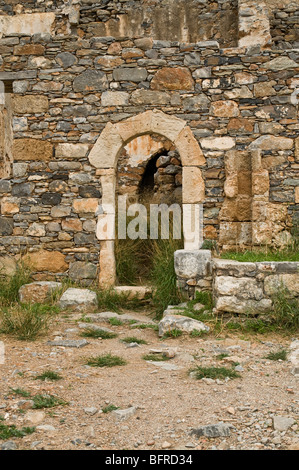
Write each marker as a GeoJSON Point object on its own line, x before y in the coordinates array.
{"type": "Point", "coordinates": [159, 403]}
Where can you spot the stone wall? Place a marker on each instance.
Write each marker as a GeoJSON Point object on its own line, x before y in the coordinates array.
{"type": "Point", "coordinates": [248, 288]}
{"type": "Point", "coordinates": [237, 287]}
{"type": "Point", "coordinates": [176, 20]}
{"type": "Point", "coordinates": [70, 80]}
{"type": "Point", "coordinates": [284, 21]}
{"type": "Point", "coordinates": [48, 210]}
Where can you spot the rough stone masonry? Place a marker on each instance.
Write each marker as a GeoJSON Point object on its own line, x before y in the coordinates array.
{"type": "Point", "coordinates": [209, 88]}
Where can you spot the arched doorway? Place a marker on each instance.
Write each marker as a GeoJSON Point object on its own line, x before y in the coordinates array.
{"type": "Point", "coordinates": [104, 156]}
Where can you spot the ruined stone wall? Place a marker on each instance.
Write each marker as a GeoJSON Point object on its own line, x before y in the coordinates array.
{"type": "Point", "coordinates": [246, 288]}
{"type": "Point", "coordinates": [69, 83]}
{"type": "Point", "coordinates": [176, 20]}
{"type": "Point", "coordinates": [284, 22]}
{"type": "Point", "coordinates": [249, 288]}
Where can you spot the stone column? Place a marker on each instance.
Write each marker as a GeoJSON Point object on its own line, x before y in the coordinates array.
{"type": "Point", "coordinates": [235, 215]}
{"type": "Point", "coordinates": [6, 133]}
{"type": "Point", "coordinates": [193, 197]}
{"type": "Point", "coordinates": [261, 228]}
{"type": "Point", "coordinates": [106, 228]}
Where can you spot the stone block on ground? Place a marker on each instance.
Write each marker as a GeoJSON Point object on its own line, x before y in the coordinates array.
{"type": "Point", "coordinates": [91, 326]}
{"type": "Point", "coordinates": [293, 356]}
{"type": "Point", "coordinates": [282, 423]}
{"type": "Point", "coordinates": [213, 430]}
{"type": "Point", "coordinates": [78, 299]}
{"type": "Point", "coordinates": [38, 292]}
{"type": "Point", "coordinates": [180, 322]}
{"type": "Point", "coordinates": [69, 343]}
{"type": "Point", "coordinates": [234, 304]}
{"type": "Point", "coordinates": [125, 318]}
{"type": "Point", "coordinates": [122, 415]}
{"type": "Point", "coordinates": [138, 292]}
{"type": "Point", "coordinates": [173, 310]}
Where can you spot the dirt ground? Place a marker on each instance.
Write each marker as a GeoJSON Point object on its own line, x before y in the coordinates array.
{"type": "Point", "coordinates": [168, 403]}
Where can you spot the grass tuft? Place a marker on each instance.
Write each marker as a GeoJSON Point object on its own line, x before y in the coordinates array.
{"type": "Point", "coordinates": [286, 310]}
{"type": "Point", "coordinates": [113, 301]}
{"type": "Point", "coordinates": [109, 408]}
{"type": "Point", "coordinates": [27, 321]}
{"type": "Point", "coordinates": [10, 285]}
{"type": "Point", "coordinates": [91, 333]}
{"type": "Point", "coordinates": [259, 256]}
{"type": "Point", "coordinates": [214, 373]}
{"type": "Point", "coordinates": [49, 375]}
{"type": "Point", "coordinates": [174, 333]}
{"type": "Point", "coordinates": [7, 432]}
{"type": "Point", "coordinates": [106, 360]}
{"type": "Point", "coordinates": [133, 339]}
{"type": "Point", "coordinates": [21, 392]}
{"type": "Point", "coordinates": [281, 355]}
{"type": "Point", "coordinates": [47, 401]}
{"type": "Point", "coordinates": [115, 322]}
{"type": "Point", "coordinates": [163, 278]}
{"type": "Point", "coordinates": [222, 356]}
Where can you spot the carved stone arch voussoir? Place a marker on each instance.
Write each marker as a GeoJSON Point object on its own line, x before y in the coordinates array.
{"type": "Point", "coordinates": [114, 137]}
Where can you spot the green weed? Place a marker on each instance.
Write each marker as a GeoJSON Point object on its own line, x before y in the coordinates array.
{"type": "Point", "coordinates": [174, 333]}
{"type": "Point", "coordinates": [91, 333]}
{"type": "Point", "coordinates": [21, 392]}
{"type": "Point", "coordinates": [115, 321]}
{"type": "Point", "coordinates": [9, 431]}
{"type": "Point", "coordinates": [26, 321]}
{"type": "Point", "coordinates": [281, 355]}
{"type": "Point", "coordinates": [47, 401]}
{"type": "Point", "coordinates": [10, 285]}
{"type": "Point", "coordinates": [106, 360]}
{"type": "Point", "coordinates": [49, 375]}
{"type": "Point", "coordinates": [133, 339]}
{"type": "Point", "coordinates": [109, 408]}
{"type": "Point", "coordinates": [214, 373]}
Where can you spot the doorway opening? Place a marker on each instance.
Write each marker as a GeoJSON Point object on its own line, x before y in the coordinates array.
{"type": "Point", "coordinates": [150, 176]}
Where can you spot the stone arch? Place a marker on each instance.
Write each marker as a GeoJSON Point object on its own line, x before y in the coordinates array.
{"type": "Point", "coordinates": [104, 156]}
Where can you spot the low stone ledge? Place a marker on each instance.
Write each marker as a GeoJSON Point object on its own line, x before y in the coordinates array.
{"type": "Point", "coordinates": [233, 268]}
{"type": "Point", "coordinates": [239, 268]}
{"type": "Point", "coordinates": [248, 288]}
{"type": "Point", "coordinates": [280, 267]}
{"type": "Point", "coordinates": [232, 304]}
